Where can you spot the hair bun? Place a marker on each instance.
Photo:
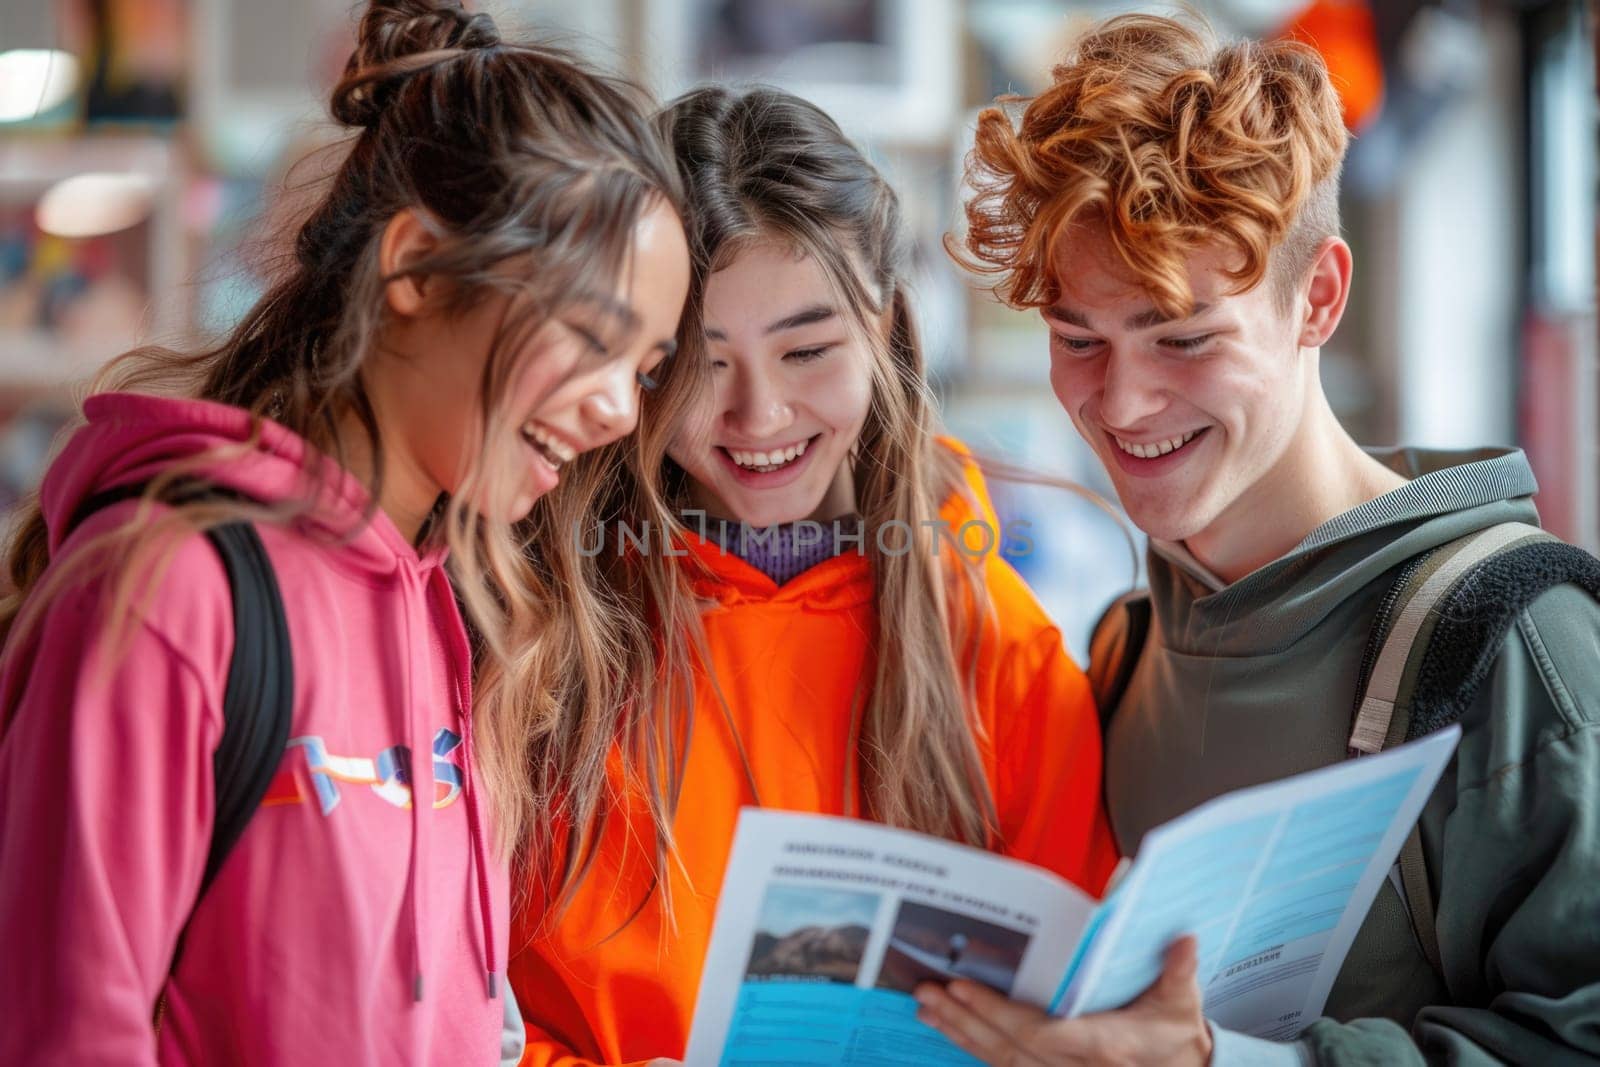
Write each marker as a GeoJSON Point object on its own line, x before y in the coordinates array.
{"type": "Point", "coordinates": [400, 37]}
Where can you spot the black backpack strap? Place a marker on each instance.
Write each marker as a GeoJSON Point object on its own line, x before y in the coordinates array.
{"type": "Point", "coordinates": [1115, 645]}
{"type": "Point", "coordinates": [258, 700]}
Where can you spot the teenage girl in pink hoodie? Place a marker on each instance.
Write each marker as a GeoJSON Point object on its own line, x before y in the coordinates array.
{"type": "Point", "coordinates": [494, 271]}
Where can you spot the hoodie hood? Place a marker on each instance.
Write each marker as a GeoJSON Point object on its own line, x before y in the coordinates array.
{"type": "Point", "coordinates": [718, 574]}
{"type": "Point", "coordinates": [1450, 494]}
{"type": "Point", "coordinates": [129, 439]}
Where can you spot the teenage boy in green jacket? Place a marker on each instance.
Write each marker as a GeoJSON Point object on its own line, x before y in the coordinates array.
{"type": "Point", "coordinates": [1170, 208]}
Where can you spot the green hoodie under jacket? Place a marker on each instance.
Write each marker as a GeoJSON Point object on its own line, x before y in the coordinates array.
{"type": "Point", "coordinates": [1246, 683]}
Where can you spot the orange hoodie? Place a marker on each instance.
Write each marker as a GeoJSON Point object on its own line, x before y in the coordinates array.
{"type": "Point", "coordinates": [789, 660]}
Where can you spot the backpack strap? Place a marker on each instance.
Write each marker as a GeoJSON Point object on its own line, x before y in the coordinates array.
{"type": "Point", "coordinates": [1417, 896]}
{"type": "Point", "coordinates": [258, 700]}
{"type": "Point", "coordinates": [1433, 644]}
{"type": "Point", "coordinates": [258, 703]}
{"type": "Point", "coordinates": [1413, 606]}
{"type": "Point", "coordinates": [1476, 617]}
{"type": "Point", "coordinates": [1116, 643]}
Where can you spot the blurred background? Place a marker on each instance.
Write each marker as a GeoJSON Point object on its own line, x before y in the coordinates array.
{"type": "Point", "coordinates": [146, 149]}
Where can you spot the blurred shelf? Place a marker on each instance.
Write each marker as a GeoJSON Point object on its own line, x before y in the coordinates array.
{"type": "Point", "coordinates": [37, 361]}
{"type": "Point", "coordinates": [157, 263]}
{"type": "Point", "coordinates": [30, 164]}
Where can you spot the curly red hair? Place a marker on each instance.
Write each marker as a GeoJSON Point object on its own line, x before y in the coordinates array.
{"type": "Point", "coordinates": [1169, 141]}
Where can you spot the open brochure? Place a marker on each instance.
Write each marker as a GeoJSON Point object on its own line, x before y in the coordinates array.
{"type": "Point", "coordinates": [826, 925]}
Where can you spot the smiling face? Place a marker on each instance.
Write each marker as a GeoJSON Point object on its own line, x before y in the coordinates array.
{"type": "Point", "coordinates": [574, 385]}
{"type": "Point", "coordinates": [1189, 416]}
{"type": "Point", "coordinates": [791, 387]}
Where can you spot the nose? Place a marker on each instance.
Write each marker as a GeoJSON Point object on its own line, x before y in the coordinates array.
{"type": "Point", "coordinates": [1130, 390]}
{"type": "Point", "coordinates": [756, 406]}
{"type": "Point", "coordinates": [611, 408]}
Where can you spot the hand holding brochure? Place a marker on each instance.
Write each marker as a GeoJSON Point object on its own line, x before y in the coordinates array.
{"type": "Point", "coordinates": [826, 925]}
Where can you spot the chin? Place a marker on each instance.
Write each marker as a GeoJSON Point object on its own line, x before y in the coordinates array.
{"type": "Point", "coordinates": [517, 510]}
{"type": "Point", "coordinates": [772, 514]}
{"type": "Point", "coordinates": [761, 518]}
{"type": "Point", "coordinates": [1165, 523]}
{"type": "Point", "coordinates": [521, 504]}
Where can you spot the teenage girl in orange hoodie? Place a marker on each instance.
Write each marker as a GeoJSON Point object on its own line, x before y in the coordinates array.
{"type": "Point", "coordinates": [856, 662]}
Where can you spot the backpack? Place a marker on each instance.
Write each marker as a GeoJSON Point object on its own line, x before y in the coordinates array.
{"type": "Point", "coordinates": [259, 697]}
{"type": "Point", "coordinates": [1433, 642]}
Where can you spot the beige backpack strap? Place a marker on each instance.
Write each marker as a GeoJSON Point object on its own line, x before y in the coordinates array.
{"type": "Point", "coordinates": [1375, 720]}
{"type": "Point", "coordinates": [1419, 897]}
{"type": "Point", "coordinates": [1385, 711]}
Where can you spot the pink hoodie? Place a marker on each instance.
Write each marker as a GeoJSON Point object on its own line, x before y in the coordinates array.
{"type": "Point", "coordinates": [347, 926]}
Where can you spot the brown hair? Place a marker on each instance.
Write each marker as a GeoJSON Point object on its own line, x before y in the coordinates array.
{"type": "Point", "coordinates": [762, 165]}
{"type": "Point", "coordinates": [1169, 141]}
{"type": "Point", "coordinates": [517, 155]}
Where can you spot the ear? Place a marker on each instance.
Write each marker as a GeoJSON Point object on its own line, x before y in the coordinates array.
{"type": "Point", "coordinates": [1326, 290]}
{"type": "Point", "coordinates": [406, 239]}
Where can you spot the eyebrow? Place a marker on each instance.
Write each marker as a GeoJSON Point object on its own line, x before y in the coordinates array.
{"type": "Point", "coordinates": [629, 319]}
{"type": "Point", "coordinates": [804, 317]}
{"type": "Point", "coordinates": [1142, 320]}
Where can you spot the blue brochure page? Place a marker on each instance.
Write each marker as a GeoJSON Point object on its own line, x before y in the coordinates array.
{"type": "Point", "coordinates": [1274, 881]}
{"type": "Point", "coordinates": [825, 926]}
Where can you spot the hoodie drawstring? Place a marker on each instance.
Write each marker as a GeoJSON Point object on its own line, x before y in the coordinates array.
{"type": "Point", "coordinates": [480, 865]}
{"type": "Point", "coordinates": [461, 659]}
{"type": "Point", "coordinates": [417, 800]}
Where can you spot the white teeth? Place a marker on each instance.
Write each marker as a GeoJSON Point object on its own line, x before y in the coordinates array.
{"type": "Point", "coordinates": [1155, 448]}
{"type": "Point", "coordinates": [766, 462]}
{"type": "Point", "coordinates": [558, 448]}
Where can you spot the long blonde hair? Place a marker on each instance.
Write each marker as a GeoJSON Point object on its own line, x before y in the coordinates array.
{"type": "Point", "coordinates": [762, 165]}
{"type": "Point", "coordinates": [519, 154]}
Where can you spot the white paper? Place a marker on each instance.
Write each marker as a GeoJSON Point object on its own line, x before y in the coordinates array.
{"type": "Point", "coordinates": [826, 924]}
{"type": "Point", "coordinates": [1274, 881]}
